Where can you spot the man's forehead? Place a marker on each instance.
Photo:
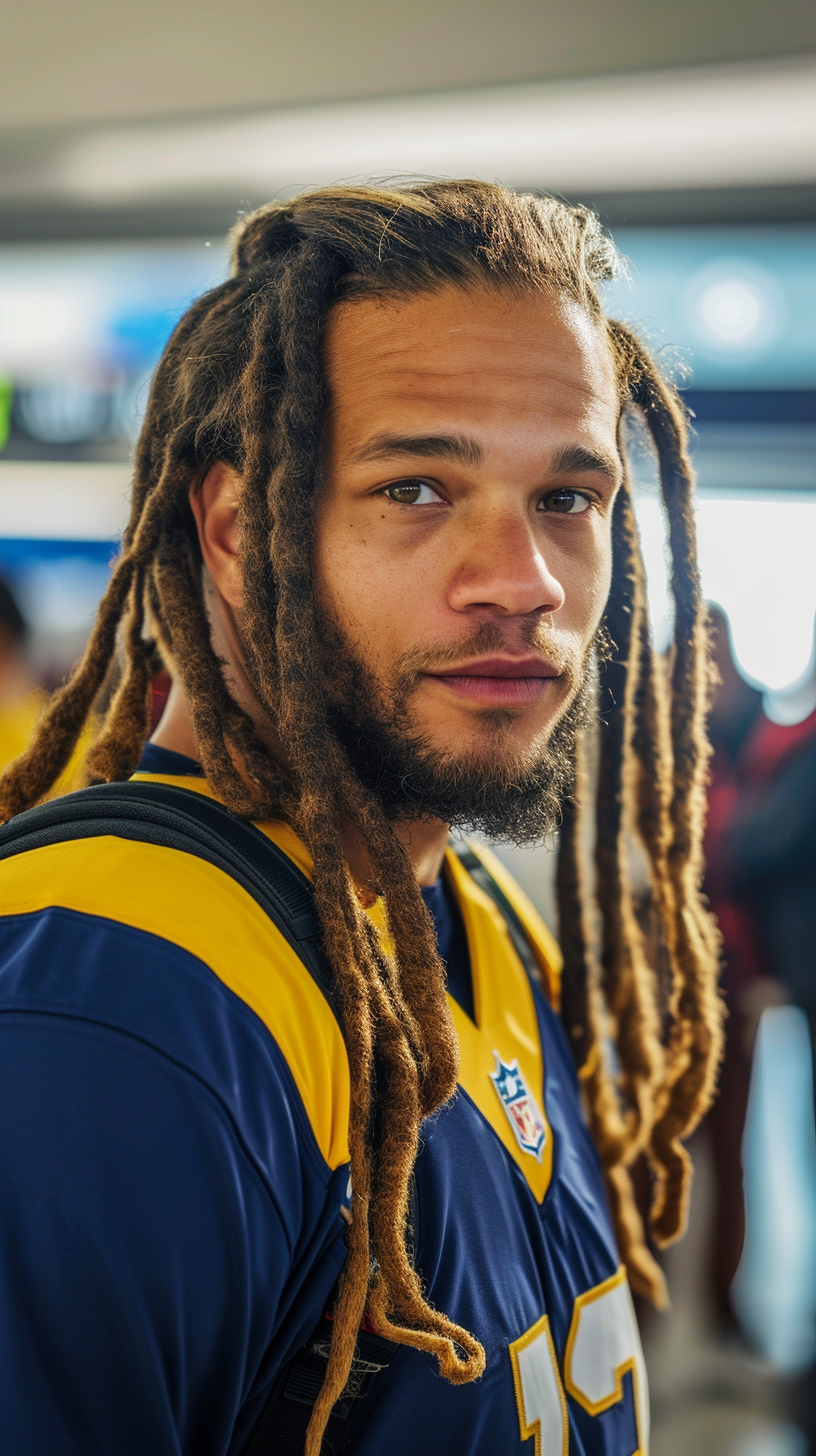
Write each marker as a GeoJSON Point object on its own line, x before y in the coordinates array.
{"type": "Point", "coordinates": [481, 359]}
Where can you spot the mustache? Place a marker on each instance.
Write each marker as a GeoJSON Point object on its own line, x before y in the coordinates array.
{"type": "Point", "coordinates": [487, 637]}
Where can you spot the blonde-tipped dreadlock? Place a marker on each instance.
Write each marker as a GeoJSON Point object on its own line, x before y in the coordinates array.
{"type": "Point", "coordinates": [240, 381]}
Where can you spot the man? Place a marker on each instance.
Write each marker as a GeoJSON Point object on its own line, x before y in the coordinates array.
{"type": "Point", "coordinates": [383, 535]}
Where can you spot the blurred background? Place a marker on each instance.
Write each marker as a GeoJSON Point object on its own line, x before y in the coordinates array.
{"type": "Point", "coordinates": [132, 137]}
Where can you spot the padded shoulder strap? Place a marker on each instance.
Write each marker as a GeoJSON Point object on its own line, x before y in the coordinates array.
{"type": "Point", "coordinates": [186, 821]}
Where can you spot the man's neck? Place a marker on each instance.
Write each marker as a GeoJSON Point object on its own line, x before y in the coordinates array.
{"type": "Point", "coordinates": [175, 728]}
{"type": "Point", "coordinates": [425, 841]}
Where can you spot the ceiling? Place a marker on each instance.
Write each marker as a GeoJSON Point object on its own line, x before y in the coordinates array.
{"type": "Point", "coordinates": [91, 60]}
{"type": "Point", "coordinates": [82, 80]}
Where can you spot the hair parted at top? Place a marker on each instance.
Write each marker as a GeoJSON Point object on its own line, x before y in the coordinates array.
{"type": "Point", "coordinates": [241, 381]}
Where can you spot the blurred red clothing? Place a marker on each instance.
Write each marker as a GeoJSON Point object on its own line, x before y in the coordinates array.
{"type": "Point", "coordinates": [743, 783]}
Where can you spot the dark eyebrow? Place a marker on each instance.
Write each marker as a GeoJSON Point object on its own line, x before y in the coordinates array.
{"type": "Point", "coordinates": [577, 460]}
{"type": "Point", "coordinates": [460, 449]}
{"type": "Point", "coordinates": [464, 450]}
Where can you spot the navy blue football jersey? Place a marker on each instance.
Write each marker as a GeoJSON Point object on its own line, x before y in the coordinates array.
{"type": "Point", "coordinates": [175, 1091]}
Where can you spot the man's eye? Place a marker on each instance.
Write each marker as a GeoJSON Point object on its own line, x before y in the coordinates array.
{"type": "Point", "coordinates": [411, 493]}
{"type": "Point", "coordinates": [565, 502]}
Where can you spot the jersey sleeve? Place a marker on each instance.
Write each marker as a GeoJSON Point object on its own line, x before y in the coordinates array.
{"type": "Point", "coordinates": [162, 1210]}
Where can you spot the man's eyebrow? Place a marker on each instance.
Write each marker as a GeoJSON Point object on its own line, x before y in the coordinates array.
{"type": "Point", "coordinates": [577, 459]}
{"type": "Point", "coordinates": [464, 450]}
{"type": "Point", "coordinates": [460, 449]}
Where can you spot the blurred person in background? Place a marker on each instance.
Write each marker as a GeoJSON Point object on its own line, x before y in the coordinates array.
{"type": "Point", "coordinates": [21, 697]}
{"type": "Point", "coordinates": [761, 881]}
{"type": "Point", "coordinates": [735, 718]}
{"type": "Point", "coordinates": [769, 854]}
{"type": "Point", "coordinates": [767, 863]}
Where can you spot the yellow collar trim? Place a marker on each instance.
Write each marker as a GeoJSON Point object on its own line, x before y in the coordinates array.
{"type": "Point", "coordinates": [506, 1023]}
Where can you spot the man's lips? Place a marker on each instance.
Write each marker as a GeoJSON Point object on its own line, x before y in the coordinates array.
{"type": "Point", "coordinates": [503, 682]}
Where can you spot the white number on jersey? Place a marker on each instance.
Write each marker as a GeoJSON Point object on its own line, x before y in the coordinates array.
{"type": "Point", "coordinates": [602, 1345]}
{"type": "Point", "coordinates": [540, 1398]}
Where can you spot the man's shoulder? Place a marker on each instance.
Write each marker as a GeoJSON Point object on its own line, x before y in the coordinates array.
{"type": "Point", "coordinates": [166, 945]}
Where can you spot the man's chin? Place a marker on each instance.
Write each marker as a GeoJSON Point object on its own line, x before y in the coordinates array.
{"type": "Point", "coordinates": [506, 740]}
{"type": "Point", "coordinates": [499, 771]}
{"type": "Point", "coordinates": [487, 786]}
{"type": "Point", "coordinates": [496, 737]}
{"type": "Point", "coordinates": [487, 754]}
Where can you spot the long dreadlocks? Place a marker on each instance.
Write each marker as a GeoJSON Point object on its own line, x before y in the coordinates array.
{"type": "Point", "coordinates": [241, 382]}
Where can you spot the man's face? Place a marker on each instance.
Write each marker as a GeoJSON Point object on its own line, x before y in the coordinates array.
{"type": "Point", "coordinates": [463, 532]}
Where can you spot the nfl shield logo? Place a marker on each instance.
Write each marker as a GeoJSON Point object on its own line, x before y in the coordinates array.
{"type": "Point", "coordinates": [520, 1106]}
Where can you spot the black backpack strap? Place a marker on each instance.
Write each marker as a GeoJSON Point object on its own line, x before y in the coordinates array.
{"type": "Point", "coordinates": [516, 929]}
{"type": "Point", "coordinates": [281, 1429]}
{"type": "Point", "coordinates": [194, 824]}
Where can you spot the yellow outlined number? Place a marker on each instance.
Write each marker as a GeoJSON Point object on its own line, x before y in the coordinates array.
{"type": "Point", "coordinates": [540, 1399]}
{"type": "Point", "coordinates": [602, 1345]}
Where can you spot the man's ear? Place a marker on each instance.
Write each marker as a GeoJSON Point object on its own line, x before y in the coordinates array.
{"type": "Point", "coordinates": [214, 502]}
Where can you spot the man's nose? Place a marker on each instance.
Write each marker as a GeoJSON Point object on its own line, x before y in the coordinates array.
{"type": "Point", "coordinates": [502, 569]}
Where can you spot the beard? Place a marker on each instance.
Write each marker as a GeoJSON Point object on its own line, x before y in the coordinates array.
{"type": "Point", "coordinates": [499, 791]}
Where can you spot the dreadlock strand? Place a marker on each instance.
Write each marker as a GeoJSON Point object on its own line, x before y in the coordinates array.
{"type": "Point", "coordinates": [695, 1044]}
{"type": "Point", "coordinates": [627, 980]}
{"type": "Point", "coordinates": [652, 745]}
{"type": "Point", "coordinates": [419, 980]}
{"type": "Point", "coordinates": [164, 441]}
{"type": "Point", "coordinates": [668, 1160]}
{"type": "Point", "coordinates": [334, 904]}
{"type": "Point", "coordinates": [118, 748]}
{"type": "Point", "coordinates": [573, 934]}
{"type": "Point", "coordinates": [217, 718]}
{"type": "Point", "coordinates": [396, 1304]}
{"type": "Point", "coordinates": [582, 1008]}
{"type": "Point", "coordinates": [357, 809]}
{"type": "Point", "coordinates": [645, 1275]}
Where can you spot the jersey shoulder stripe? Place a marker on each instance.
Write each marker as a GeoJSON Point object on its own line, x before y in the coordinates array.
{"type": "Point", "coordinates": [190, 903]}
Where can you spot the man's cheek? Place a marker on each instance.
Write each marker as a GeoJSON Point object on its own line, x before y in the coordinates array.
{"type": "Point", "coordinates": [586, 601]}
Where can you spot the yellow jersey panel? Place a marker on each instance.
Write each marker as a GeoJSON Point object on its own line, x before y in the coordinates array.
{"type": "Point", "coordinates": [506, 1027]}
{"type": "Point", "coordinates": [189, 902]}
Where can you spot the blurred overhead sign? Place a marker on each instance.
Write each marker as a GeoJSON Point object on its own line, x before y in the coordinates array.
{"type": "Point", "coordinates": [81, 327]}
{"type": "Point", "coordinates": [727, 307]}
{"type": "Point", "coordinates": [74, 502]}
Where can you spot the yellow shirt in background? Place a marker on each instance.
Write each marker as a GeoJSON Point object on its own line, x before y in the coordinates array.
{"type": "Point", "coordinates": [18, 719]}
